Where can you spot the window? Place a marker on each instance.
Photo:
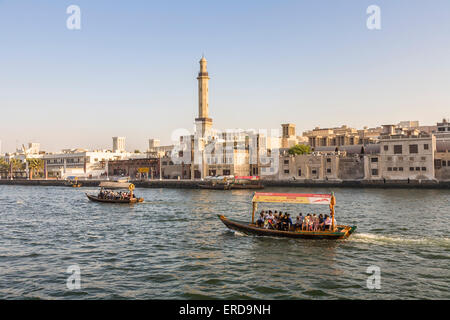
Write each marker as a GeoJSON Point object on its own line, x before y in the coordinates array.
{"type": "Point", "coordinates": [374, 172]}
{"type": "Point", "coordinates": [400, 169]}
{"type": "Point", "coordinates": [413, 148]}
{"type": "Point", "coordinates": [373, 159]}
{"type": "Point", "coordinates": [411, 158]}
{"type": "Point", "coordinates": [314, 171]}
{"type": "Point", "coordinates": [444, 163]}
{"type": "Point", "coordinates": [411, 168]}
{"type": "Point", "coordinates": [424, 158]}
{"type": "Point", "coordinates": [424, 169]}
{"type": "Point", "coordinates": [417, 168]}
{"type": "Point", "coordinates": [400, 158]}
{"type": "Point", "coordinates": [398, 149]}
{"type": "Point", "coordinates": [389, 158]}
{"type": "Point", "coordinates": [386, 148]}
{"type": "Point", "coordinates": [328, 160]}
{"type": "Point", "coordinates": [425, 146]}
{"type": "Point", "coordinates": [389, 168]}
{"type": "Point", "coordinates": [299, 172]}
{"type": "Point", "coordinates": [286, 171]}
{"type": "Point", "coordinates": [286, 161]}
{"type": "Point", "coordinates": [395, 168]}
{"type": "Point", "coordinates": [328, 170]}
{"type": "Point", "coordinates": [226, 172]}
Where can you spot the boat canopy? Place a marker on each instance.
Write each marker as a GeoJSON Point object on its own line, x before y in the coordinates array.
{"type": "Point", "coordinates": [305, 198]}
{"type": "Point", "coordinates": [115, 185]}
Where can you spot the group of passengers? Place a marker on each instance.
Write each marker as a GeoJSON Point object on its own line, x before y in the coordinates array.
{"type": "Point", "coordinates": [113, 195]}
{"type": "Point", "coordinates": [282, 221]}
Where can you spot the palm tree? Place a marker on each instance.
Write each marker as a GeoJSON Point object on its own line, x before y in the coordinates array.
{"type": "Point", "coordinates": [35, 166]}
{"type": "Point", "coordinates": [4, 166]}
{"type": "Point", "coordinates": [15, 165]}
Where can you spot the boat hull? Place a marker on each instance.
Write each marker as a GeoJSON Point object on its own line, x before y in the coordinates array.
{"type": "Point", "coordinates": [96, 199]}
{"type": "Point", "coordinates": [251, 229]}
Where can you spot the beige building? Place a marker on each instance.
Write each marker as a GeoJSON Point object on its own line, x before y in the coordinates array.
{"type": "Point", "coordinates": [442, 160]}
{"type": "Point", "coordinates": [403, 157]}
{"type": "Point", "coordinates": [341, 136]}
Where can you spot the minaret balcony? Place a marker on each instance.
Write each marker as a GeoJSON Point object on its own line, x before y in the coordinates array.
{"type": "Point", "coordinates": [203, 74]}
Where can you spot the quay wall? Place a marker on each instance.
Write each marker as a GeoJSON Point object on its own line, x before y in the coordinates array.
{"type": "Point", "coordinates": [192, 184]}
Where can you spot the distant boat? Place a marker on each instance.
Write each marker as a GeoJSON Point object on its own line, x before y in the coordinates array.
{"type": "Point", "coordinates": [97, 199]}
{"type": "Point", "coordinates": [231, 182]}
{"type": "Point", "coordinates": [110, 196]}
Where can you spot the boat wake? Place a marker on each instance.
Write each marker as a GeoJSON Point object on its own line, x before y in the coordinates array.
{"type": "Point", "coordinates": [388, 239]}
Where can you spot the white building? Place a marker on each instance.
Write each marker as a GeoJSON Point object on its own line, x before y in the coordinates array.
{"type": "Point", "coordinates": [81, 162]}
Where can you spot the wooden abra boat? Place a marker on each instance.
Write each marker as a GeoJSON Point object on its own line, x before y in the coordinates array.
{"type": "Point", "coordinates": [336, 232]}
{"type": "Point", "coordinates": [97, 199]}
{"type": "Point", "coordinates": [130, 199]}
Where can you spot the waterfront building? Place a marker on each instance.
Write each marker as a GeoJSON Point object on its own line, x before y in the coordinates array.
{"type": "Point", "coordinates": [341, 136]}
{"type": "Point", "coordinates": [147, 168]}
{"type": "Point", "coordinates": [156, 150]}
{"type": "Point", "coordinates": [81, 162]}
{"type": "Point", "coordinates": [118, 144]}
{"type": "Point", "coordinates": [403, 155]}
{"type": "Point", "coordinates": [442, 160]}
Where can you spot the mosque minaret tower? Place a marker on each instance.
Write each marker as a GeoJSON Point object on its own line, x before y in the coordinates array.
{"type": "Point", "coordinates": [203, 122]}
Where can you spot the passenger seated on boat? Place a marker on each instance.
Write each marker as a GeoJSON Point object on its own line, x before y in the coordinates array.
{"type": "Point", "coordinates": [298, 222]}
{"type": "Point", "coordinates": [321, 222]}
{"type": "Point", "coordinates": [327, 222]}
{"type": "Point", "coordinates": [315, 222]}
{"type": "Point", "coordinates": [305, 225]}
{"type": "Point", "coordinates": [288, 221]}
{"type": "Point", "coordinates": [260, 221]}
{"type": "Point", "coordinates": [279, 221]}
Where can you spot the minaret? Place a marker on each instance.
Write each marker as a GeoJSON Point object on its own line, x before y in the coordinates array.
{"type": "Point", "coordinates": [203, 122]}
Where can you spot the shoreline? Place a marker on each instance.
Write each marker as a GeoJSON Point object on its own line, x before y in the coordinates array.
{"type": "Point", "coordinates": [193, 184]}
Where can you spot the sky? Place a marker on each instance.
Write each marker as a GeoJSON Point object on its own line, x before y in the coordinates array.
{"type": "Point", "coordinates": [131, 69]}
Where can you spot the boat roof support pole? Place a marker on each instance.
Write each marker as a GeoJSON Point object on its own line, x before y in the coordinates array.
{"type": "Point", "coordinates": [255, 205]}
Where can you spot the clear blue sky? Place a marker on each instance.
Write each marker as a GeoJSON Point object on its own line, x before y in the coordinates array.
{"type": "Point", "coordinates": [130, 71]}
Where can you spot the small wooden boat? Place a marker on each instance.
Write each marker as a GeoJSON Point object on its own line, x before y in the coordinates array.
{"type": "Point", "coordinates": [97, 199]}
{"type": "Point", "coordinates": [214, 186]}
{"type": "Point", "coordinates": [336, 232]}
{"type": "Point", "coordinates": [340, 232]}
{"type": "Point", "coordinates": [230, 183]}
{"type": "Point", "coordinates": [130, 199]}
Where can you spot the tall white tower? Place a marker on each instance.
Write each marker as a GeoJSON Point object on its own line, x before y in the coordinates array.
{"type": "Point", "coordinates": [203, 122]}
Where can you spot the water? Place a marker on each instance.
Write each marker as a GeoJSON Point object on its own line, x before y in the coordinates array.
{"type": "Point", "coordinates": [172, 246]}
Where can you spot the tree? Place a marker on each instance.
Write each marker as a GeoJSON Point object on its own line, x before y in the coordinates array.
{"type": "Point", "coordinates": [35, 166]}
{"type": "Point", "coordinates": [137, 151]}
{"type": "Point", "coordinates": [300, 149]}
